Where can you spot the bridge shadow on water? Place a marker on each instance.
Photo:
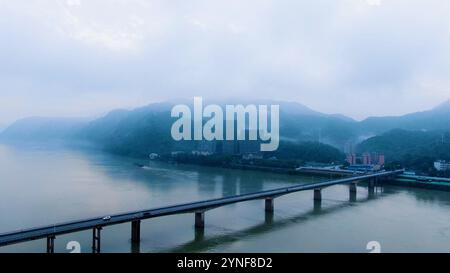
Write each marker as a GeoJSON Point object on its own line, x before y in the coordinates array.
{"type": "Point", "coordinates": [201, 243]}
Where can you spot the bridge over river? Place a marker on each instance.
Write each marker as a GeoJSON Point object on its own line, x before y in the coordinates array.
{"type": "Point", "coordinates": [197, 208]}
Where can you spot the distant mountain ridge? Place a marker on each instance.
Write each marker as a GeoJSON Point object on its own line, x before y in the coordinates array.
{"type": "Point", "coordinates": [414, 149]}
{"type": "Point", "coordinates": [437, 118]}
{"type": "Point", "coordinates": [147, 129]}
{"type": "Point", "coordinates": [43, 128]}
{"type": "Point", "coordinates": [445, 106]}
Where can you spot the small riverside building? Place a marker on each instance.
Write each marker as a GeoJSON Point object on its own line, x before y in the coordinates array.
{"type": "Point", "coordinates": [442, 165]}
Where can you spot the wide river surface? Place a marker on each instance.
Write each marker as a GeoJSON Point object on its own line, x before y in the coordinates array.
{"type": "Point", "coordinates": [42, 185]}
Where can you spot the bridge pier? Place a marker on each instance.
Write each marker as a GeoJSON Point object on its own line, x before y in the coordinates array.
{"type": "Point", "coordinates": [371, 187]}
{"type": "Point", "coordinates": [269, 204]}
{"type": "Point", "coordinates": [371, 192]}
{"type": "Point", "coordinates": [352, 193]}
{"type": "Point", "coordinates": [317, 194]}
{"type": "Point", "coordinates": [96, 232]}
{"type": "Point", "coordinates": [200, 220]}
{"type": "Point", "coordinates": [268, 218]}
{"type": "Point", "coordinates": [51, 244]}
{"type": "Point", "coordinates": [199, 235]}
{"type": "Point", "coordinates": [317, 206]}
{"type": "Point", "coordinates": [372, 182]}
{"type": "Point", "coordinates": [136, 231]}
{"type": "Point", "coordinates": [135, 247]}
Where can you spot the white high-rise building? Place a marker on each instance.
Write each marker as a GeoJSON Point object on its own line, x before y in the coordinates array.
{"type": "Point", "coordinates": [442, 165]}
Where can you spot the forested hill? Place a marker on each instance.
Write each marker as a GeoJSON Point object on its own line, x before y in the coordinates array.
{"type": "Point", "coordinates": [413, 149]}
{"type": "Point", "coordinates": [146, 130]}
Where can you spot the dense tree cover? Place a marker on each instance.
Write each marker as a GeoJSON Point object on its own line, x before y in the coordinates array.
{"type": "Point", "coordinates": [308, 151]}
{"type": "Point", "coordinates": [135, 133]}
{"type": "Point", "coordinates": [411, 149]}
{"type": "Point", "coordinates": [290, 155]}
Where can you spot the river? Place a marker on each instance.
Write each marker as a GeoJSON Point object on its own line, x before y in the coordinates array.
{"type": "Point", "coordinates": [43, 185]}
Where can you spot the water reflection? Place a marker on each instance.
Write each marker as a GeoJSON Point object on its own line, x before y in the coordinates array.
{"type": "Point", "coordinates": [200, 244]}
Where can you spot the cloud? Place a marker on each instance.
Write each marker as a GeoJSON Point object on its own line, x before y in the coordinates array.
{"type": "Point", "coordinates": [357, 57]}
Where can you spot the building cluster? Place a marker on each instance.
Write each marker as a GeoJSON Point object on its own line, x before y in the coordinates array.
{"type": "Point", "coordinates": [366, 161]}
{"type": "Point", "coordinates": [442, 165]}
{"type": "Point", "coordinates": [246, 148]}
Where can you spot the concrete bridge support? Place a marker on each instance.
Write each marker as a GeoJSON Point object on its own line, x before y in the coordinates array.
{"type": "Point", "coordinates": [269, 204]}
{"type": "Point", "coordinates": [372, 182]}
{"type": "Point", "coordinates": [51, 244]}
{"type": "Point", "coordinates": [136, 231]}
{"type": "Point", "coordinates": [135, 247]}
{"type": "Point", "coordinates": [371, 186]}
{"type": "Point", "coordinates": [268, 218]}
{"type": "Point", "coordinates": [371, 192]}
{"type": "Point", "coordinates": [199, 235]}
{"type": "Point", "coordinates": [200, 220]}
{"type": "Point", "coordinates": [317, 206]}
{"type": "Point", "coordinates": [317, 194]}
{"type": "Point", "coordinates": [96, 232]}
{"type": "Point", "coordinates": [352, 192]}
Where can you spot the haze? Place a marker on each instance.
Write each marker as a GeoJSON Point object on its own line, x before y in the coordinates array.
{"type": "Point", "coordinates": [355, 57]}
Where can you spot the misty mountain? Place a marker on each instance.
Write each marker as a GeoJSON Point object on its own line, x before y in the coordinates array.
{"type": "Point", "coordinates": [147, 129]}
{"type": "Point", "coordinates": [42, 129]}
{"type": "Point", "coordinates": [137, 132]}
{"type": "Point", "coordinates": [436, 119]}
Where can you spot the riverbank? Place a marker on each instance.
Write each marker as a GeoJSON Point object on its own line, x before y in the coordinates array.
{"type": "Point", "coordinates": [432, 185]}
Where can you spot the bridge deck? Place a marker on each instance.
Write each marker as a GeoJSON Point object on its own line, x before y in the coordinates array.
{"type": "Point", "coordinates": [70, 227]}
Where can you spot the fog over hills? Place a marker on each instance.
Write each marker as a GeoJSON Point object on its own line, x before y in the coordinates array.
{"type": "Point", "coordinates": [43, 128]}
{"type": "Point", "coordinates": [437, 118]}
{"type": "Point", "coordinates": [443, 107]}
{"type": "Point", "coordinates": [147, 129]}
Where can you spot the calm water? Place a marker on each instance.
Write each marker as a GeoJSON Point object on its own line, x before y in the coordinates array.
{"type": "Point", "coordinates": [46, 185]}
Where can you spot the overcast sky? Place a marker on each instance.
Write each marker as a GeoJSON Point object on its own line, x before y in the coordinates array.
{"type": "Point", "coordinates": [355, 57]}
